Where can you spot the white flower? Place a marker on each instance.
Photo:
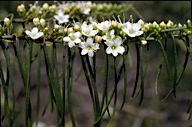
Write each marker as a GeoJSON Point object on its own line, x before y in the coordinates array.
{"type": "Point", "coordinates": [83, 7]}
{"type": "Point", "coordinates": [109, 35]}
{"type": "Point", "coordinates": [61, 18]}
{"type": "Point", "coordinates": [114, 46]}
{"type": "Point", "coordinates": [132, 29]}
{"type": "Point", "coordinates": [34, 34]}
{"type": "Point", "coordinates": [89, 47]}
{"type": "Point", "coordinates": [88, 30]}
{"type": "Point", "coordinates": [72, 39]}
{"type": "Point", "coordinates": [104, 26]}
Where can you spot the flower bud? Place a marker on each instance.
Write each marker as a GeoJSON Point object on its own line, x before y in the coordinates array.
{"type": "Point", "coordinates": [98, 39]}
{"type": "Point", "coordinates": [7, 21]}
{"type": "Point", "coordinates": [52, 8]}
{"type": "Point", "coordinates": [162, 24]}
{"type": "Point", "coordinates": [94, 24]}
{"type": "Point", "coordinates": [42, 22]}
{"type": "Point", "coordinates": [188, 32]}
{"type": "Point", "coordinates": [46, 29]}
{"type": "Point", "coordinates": [169, 23]}
{"type": "Point", "coordinates": [155, 25]}
{"type": "Point", "coordinates": [188, 21]}
{"type": "Point", "coordinates": [33, 8]}
{"type": "Point", "coordinates": [45, 6]}
{"type": "Point", "coordinates": [65, 30]}
{"type": "Point", "coordinates": [179, 25]}
{"type": "Point", "coordinates": [143, 42]}
{"type": "Point", "coordinates": [76, 28]}
{"type": "Point", "coordinates": [141, 22]}
{"type": "Point", "coordinates": [89, 4]}
{"type": "Point", "coordinates": [36, 21]}
{"type": "Point", "coordinates": [57, 27]}
{"type": "Point", "coordinates": [70, 30]}
{"type": "Point", "coordinates": [114, 24]}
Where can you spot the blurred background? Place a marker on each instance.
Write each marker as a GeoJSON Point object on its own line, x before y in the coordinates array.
{"type": "Point", "coordinates": [153, 112]}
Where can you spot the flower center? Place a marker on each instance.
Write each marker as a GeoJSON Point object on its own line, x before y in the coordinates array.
{"type": "Point", "coordinates": [89, 47]}
{"type": "Point", "coordinates": [113, 47]}
{"type": "Point", "coordinates": [131, 31]}
{"type": "Point", "coordinates": [108, 36]}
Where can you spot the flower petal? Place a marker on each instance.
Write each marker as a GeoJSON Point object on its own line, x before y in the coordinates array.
{"type": "Point", "coordinates": [27, 32]}
{"type": "Point", "coordinates": [34, 30]}
{"type": "Point", "coordinates": [118, 41]}
{"type": "Point", "coordinates": [90, 53]}
{"type": "Point", "coordinates": [120, 49]}
{"type": "Point", "coordinates": [114, 52]}
{"type": "Point", "coordinates": [66, 39]}
{"type": "Point", "coordinates": [109, 50]}
{"type": "Point", "coordinates": [84, 51]}
{"type": "Point", "coordinates": [71, 44]}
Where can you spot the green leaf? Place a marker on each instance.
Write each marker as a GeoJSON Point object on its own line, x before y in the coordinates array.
{"type": "Point", "coordinates": [175, 67]}
{"type": "Point", "coordinates": [166, 60]}
{"type": "Point", "coordinates": [141, 74]}
{"type": "Point", "coordinates": [38, 84]}
{"type": "Point", "coordinates": [69, 83]}
{"type": "Point", "coordinates": [189, 111]}
{"type": "Point", "coordinates": [160, 67]}
{"type": "Point", "coordinates": [137, 70]}
{"type": "Point", "coordinates": [181, 74]}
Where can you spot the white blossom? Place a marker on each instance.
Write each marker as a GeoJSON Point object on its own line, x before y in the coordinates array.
{"type": "Point", "coordinates": [61, 18]}
{"type": "Point", "coordinates": [34, 34]}
{"type": "Point", "coordinates": [72, 39]}
{"type": "Point", "coordinates": [109, 35]}
{"type": "Point", "coordinates": [104, 26]}
{"type": "Point", "coordinates": [132, 29]}
{"type": "Point", "coordinates": [88, 30]}
{"type": "Point", "coordinates": [89, 47]}
{"type": "Point", "coordinates": [84, 8]}
{"type": "Point", "coordinates": [114, 46]}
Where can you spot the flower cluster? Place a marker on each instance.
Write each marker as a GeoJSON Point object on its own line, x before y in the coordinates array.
{"type": "Point", "coordinates": [89, 36]}
{"type": "Point", "coordinates": [79, 25]}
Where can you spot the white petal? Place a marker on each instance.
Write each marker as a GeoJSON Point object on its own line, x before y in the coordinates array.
{"type": "Point", "coordinates": [93, 32]}
{"type": "Point", "coordinates": [66, 16]}
{"type": "Point", "coordinates": [131, 35]}
{"type": "Point", "coordinates": [138, 33]}
{"type": "Point", "coordinates": [84, 51]}
{"type": "Point", "coordinates": [71, 44]}
{"type": "Point", "coordinates": [136, 26]}
{"type": "Point", "coordinates": [90, 53]}
{"type": "Point", "coordinates": [39, 34]}
{"type": "Point", "coordinates": [90, 40]}
{"type": "Point", "coordinates": [114, 52]}
{"type": "Point", "coordinates": [34, 30]}
{"type": "Point", "coordinates": [120, 49]}
{"type": "Point", "coordinates": [77, 40]}
{"type": "Point", "coordinates": [109, 50]}
{"type": "Point", "coordinates": [104, 37]}
{"type": "Point", "coordinates": [129, 25]}
{"type": "Point", "coordinates": [56, 17]}
{"type": "Point", "coordinates": [96, 46]}
{"type": "Point", "coordinates": [66, 39]}
{"type": "Point", "coordinates": [126, 30]}
{"type": "Point", "coordinates": [27, 32]}
{"type": "Point", "coordinates": [118, 41]}
{"type": "Point", "coordinates": [77, 34]}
